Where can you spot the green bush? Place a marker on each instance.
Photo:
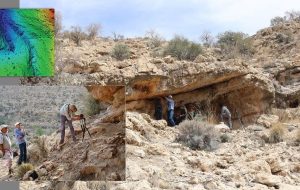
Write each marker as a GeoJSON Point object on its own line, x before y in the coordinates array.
{"type": "Point", "coordinates": [183, 49]}
{"type": "Point", "coordinates": [92, 106]}
{"type": "Point", "coordinates": [23, 169]}
{"type": "Point", "coordinates": [235, 44]}
{"type": "Point", "coordinates": [198, 135]}
{"type": "Point", "coordinates": [39, 131]}
{"type": "Point", "coordinates": [224, 138]}
{"type": "Point", "coordinates": [121, 52]}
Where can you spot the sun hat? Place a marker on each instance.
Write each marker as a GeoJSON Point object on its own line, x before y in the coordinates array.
{"type": "Point", "coordinates": [3, 126]}
{"type": "Point", "coordinates": [17, 123]}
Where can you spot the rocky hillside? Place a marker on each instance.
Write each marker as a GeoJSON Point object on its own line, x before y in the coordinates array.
{"type": "Point", "coordinates": [155, 160]}
{"type": "Point", "coordinates": [99, 157]}
{"type": "Point", "coordinates": [270, 78]}
{"type": "Point", "coordinates": [253, 88]}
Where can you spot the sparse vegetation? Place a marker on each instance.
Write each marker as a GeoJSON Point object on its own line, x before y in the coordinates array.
{"type": "Point", "coordinates": [183, 49]}
{"type": "Point", "coordinates": [198, 135]}
{"type": "Point", "coordinates": [77, 35]}
{"type": "Point", "coordinates": [235, 44]}
{"type": "Point", "coordinates": [23, 169]}
{"type": "Point", "coordinates": [42, 146]}
{"type": "Point", "coordinates": [155, 40]}
{"type": "Point", "coordinates": [121, 52]}
{"type": "Point", "coordinates": [284, 38]}
{"type": "Point", "coordinates": [277, 20]}
{"type": "Point", "coordinates": [207, 39]}
{"type": "Point", "coordinates": [39, 131]}
{"type": "Point", "coordinates": [117, 37]}
{"type": "Point", "coordinates": [224, 138]}
{"type": "Point", "coordinates": [93, 30]}
{"type": "Point", "coordinates": [3, 120]}
{"type": "Point", "coordinates": [276, 133]}
{"type": "Point", "coordinates": [289, 16]}
{"type": "Point", "coordinates": [92, 106]}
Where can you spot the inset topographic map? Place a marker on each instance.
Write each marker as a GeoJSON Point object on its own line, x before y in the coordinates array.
{"type": "Point", "coordinates": [26, 42]}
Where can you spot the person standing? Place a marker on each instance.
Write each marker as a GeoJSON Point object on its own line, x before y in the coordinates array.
{"type": "Point", "coordinates": [20, 140]}
{"type": "Point", "coordinates": [225, 114]}
{"type": "Point", "coordinates": [5, 147]}
{"type": "Point", "coordinates": [171, 105]}
{"type": "Point", "coordinates": [67, 114]}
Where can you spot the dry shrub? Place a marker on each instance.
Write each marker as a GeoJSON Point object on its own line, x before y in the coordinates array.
{"type": "Point", "coordinates": [38, 150]}
{"type": "Point", "coordinates": [198, 135]}
{"type": "Point", "coordinates": [23, 169]}
{"type": "Point", "coordinates": [93, 30]}
{"type": "Point", "coordinates": [155, 39]}
{"type": "Point", "coordinates": [276, 133]}
{"type": "Point", "coordinates": [77, 35]}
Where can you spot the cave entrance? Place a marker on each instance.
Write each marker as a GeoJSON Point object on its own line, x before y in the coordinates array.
{"type": "Point", "coordinates": [245, 104]}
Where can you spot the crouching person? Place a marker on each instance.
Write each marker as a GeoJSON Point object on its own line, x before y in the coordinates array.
{"type": "Point", "coordinates": [67, 115]}
{"type": "Point", "coordinates": [5, 147]}
{"type": "Point", "coordinates": [20, 140]}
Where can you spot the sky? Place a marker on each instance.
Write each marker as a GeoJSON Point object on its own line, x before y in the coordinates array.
{"type": "Point", "coordinates": [133, 18]}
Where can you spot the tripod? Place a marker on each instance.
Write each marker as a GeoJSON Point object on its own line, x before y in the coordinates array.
{"type": "Point", "coordinates": [84, 128]}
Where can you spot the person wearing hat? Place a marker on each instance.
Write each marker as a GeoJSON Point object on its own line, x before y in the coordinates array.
{"type": "Point", "coordinates": [5, 147]}
{"type": "Point", "coordinates": [20, 140]}
{"type": "Point", "coordinates": [67, 114]}
{"type": "Point", "coordinates": [171, 105]}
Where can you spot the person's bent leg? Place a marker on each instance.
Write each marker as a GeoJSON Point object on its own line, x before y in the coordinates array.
{"type": "Point", "coordinates": [72, 130]}
{"type": "Point", "coordinates": [63, 127]}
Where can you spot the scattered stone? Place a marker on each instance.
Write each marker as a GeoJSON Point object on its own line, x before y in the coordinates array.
{"type": "Point", "coordinates": [267, 120]}
{"type": "Point", "coordinates": [267, 179]}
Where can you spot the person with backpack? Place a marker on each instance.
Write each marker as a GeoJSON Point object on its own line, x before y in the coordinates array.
{"type": "Point", "coordinates": [171, 105]}
{"type": "Point", "coordinates": [5, 147]}
{"type": "Point", "coordinates": [67, 114]}
{"type": "Point", "coordinates": [20, 140]}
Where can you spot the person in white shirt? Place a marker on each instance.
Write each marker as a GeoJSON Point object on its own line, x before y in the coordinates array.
{"type": "Point", "coordinates": [67, 114]}
{"type": "Point", "coordinates": [5, 147]}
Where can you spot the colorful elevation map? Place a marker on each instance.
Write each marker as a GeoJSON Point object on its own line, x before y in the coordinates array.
{"type": "Point", "coordinates": [26, 42]}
